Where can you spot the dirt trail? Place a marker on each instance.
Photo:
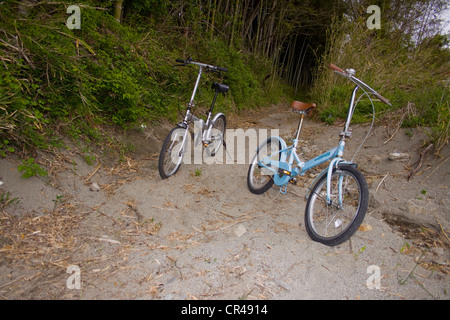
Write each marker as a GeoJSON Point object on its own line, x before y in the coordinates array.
{"type": "Point", "coordinates": [202, 235]}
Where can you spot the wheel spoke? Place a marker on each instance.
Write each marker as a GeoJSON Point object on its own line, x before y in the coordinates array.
{"type": "Point", "coordinates": [172, 152]}
{"type": "Point", "coordinates": [217, 135]}
{"type": "Point", "coordinates": [336, 220]}
{"type": "Point", "coordinates": [260, 178]}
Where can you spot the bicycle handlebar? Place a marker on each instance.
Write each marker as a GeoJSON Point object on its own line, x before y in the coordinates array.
{"type": "Point", "coordinates": [336, 68]}
{"type": "Point", "coordinates": [349, 74]}
{"type": "Point", "coordinates": [383, 99]}
{"type": "Point", "coordinates": [190, 61]}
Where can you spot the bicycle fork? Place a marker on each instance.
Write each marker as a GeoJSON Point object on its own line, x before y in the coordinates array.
{"type": "Point", "coordinates": [334, 162]}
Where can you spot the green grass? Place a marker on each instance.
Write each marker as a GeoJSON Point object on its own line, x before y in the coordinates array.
{"type": "Point", "coordinates": [411, 76]}
{"type": "Point", "coordinates": [75, 82]}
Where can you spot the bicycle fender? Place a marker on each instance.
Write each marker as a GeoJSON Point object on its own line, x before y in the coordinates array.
{"type": "Point", "coordinates": [280, 164]}
{"type": "Point", "coordinates": [213, 120]}
{"type": "Point", "coordinates": [217, 116]}
{"type": "Point", "coordinates": [283, 146]}
{"type": "Point", "coordinates": [334, 162]}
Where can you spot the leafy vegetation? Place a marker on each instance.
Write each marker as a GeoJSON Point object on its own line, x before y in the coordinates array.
{"type": "Point", "coordinates": [5, 199]}
{"type": "Point", "coordinates": [72, 82]}
{"type": "Point", "coordinates": [118, 68]}
{"type": "Point", "coordinates": [31, 169]}
{"type": "Point", "coordinates": [407, 65]}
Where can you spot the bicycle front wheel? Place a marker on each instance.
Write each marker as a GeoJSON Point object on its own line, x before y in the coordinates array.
{"type": "Point", "coordinates": [333, 221]}
{"type": "Point", "coordinates": [260, 177]}
{"type": "Point", "coordinates": [172, 152]}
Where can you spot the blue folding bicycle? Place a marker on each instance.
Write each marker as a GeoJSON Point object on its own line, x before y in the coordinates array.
{"type": "Point", "coordinates": [338, 198]}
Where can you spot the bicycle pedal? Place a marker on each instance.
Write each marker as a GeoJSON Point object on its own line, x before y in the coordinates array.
{"type": "Point", "coordinates": [293, 181]}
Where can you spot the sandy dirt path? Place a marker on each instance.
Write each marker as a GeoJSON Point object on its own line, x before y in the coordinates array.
{"type": "Point", "coordinates": [202, 235]}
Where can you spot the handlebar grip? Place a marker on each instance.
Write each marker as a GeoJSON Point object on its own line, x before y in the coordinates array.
{"type": "Point", "coordinates": [335, 68]}
{"type": "Point", "coordinates": [181, 61]}
{"type": "Point", "coordinates": [222, 69]}
{"type": "Point", "coordinates": [384, 100]}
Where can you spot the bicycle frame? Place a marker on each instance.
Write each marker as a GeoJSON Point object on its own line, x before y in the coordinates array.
{"type": "Point", "coordinates": [287, 167]}
{"type": "Point", "coordinates": [189, 117]}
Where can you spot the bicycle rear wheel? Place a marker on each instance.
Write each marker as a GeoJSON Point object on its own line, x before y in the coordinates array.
{"type": "Point", "coordinates": [260, 178]}
{"type": "Point", "coordinates": [335, 221]}
{"type": "Point", "coordinates": [217, 136]}
{"type": "Point", "coordinates": [172, 152]}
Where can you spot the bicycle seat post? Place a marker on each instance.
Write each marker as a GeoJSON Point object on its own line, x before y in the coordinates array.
{"type": "Point", "coordinates": [214, 100]}
{"type": "Point", "coordinates": [302, 109]}
{"type": "Point", "coordinates": [300, 124]}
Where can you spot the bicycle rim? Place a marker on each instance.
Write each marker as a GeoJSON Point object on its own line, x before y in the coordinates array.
{"type": "Point", "coordinates": [172, 152]}
{"type": "Point", "coordinates": [217, 136]}
{"type": "Point", "coordinates": [333, 222]}
{"type": "Point", "coordinates": [260, 178]}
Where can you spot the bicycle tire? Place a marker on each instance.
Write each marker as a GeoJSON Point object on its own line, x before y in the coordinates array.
{"type": "Point", "coordinates": [257, 173]}
{"type": "Point", "coordinates": [332, 223]}
{"type": "Point", "coordinates": [217, 134]}
{"type": "Point", "coordinates": [172, 152]}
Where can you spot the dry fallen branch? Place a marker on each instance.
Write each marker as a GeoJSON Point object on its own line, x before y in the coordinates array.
{"type": "Point", "coordinates": [105, 239]}
{"type": "Point", "coordinates": [238, 221]}
{"type": "Point", "coordinates": [381, 182]}
{"type": "Point", "coordinates": [420, 163]}
{"type": "Point", "coordinates": [396, 130]}
{"type": "Point", "coordinates": [93, 172]}
{"type": "Point", "coordinates": [435, 169]}
{"type": "Point", "coordinates": [443, 232]}
{"type": "Point", "coordinates": [19, 50]}
{"type": "Point", "coordinates": [38, 238]}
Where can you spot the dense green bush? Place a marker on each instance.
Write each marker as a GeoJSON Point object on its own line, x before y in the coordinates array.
{"type": "Point", "coordinates": [55, 81]}
{"type": "Point", "coordinates": [411, 75]}
{"type": "Point", "coordinates": [107, 72]}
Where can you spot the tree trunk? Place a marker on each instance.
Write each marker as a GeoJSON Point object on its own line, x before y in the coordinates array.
{"type": "Point", "coordinates": [213, 16]}
{"type": "Point", "coordinates": [118, 10]}
{"type": "Point", "coordinates": [233, 26]}
{"type": "Point", "coordinates": [258, 27]}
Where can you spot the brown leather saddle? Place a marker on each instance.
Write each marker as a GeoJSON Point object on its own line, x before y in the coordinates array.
{"type": "Point", "coordinates": [302, 107]}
